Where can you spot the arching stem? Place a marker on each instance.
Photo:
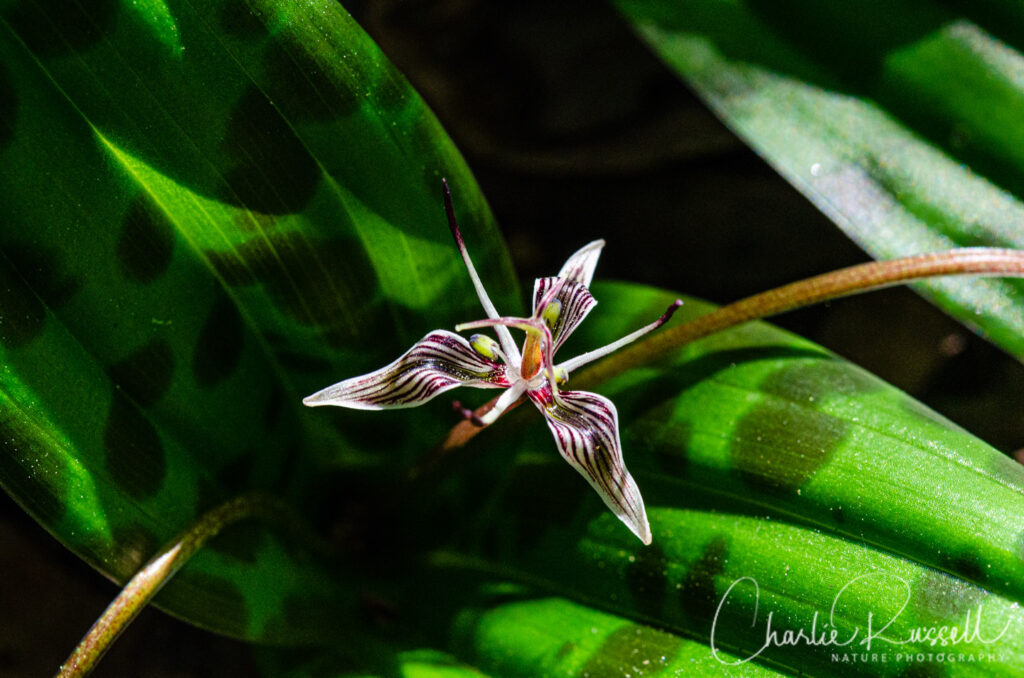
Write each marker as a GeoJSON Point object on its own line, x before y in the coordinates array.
{"type": "Point", "coordinates": [148, 581]}
{"type": "Point", "coordinates": [980, 261]}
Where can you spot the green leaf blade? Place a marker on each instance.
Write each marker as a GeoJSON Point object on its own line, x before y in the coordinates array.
{"type": "Point", "coordinates": [555, 636]}
{"type": "Point", "coordinates": [211, 210]}
{"type": "Point", "coordinates": [866, 112]}
{"type": "Point", "coordinates": [762, 455]}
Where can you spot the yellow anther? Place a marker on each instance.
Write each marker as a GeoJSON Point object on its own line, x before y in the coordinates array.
{"type": "Point", "coordinates": [550, 313]}
{"type": "Point", "coordinates": [561, 376]}
{"type": "Point", "coordinates": [485, 346]}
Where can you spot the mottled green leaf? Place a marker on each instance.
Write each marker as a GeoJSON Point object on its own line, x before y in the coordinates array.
{"type": "Point", "coordinates": [557, 637]}
{"type": "Point", "coordinates": [899, 120]}
{"type": "Point", "coordinates": [762, 455]}
{"type": "Point", "coordinates": [326, 663]}
{"type": "Point", "coordinates": [209, 211]}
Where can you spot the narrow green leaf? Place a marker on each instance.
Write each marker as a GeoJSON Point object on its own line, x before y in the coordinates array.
{"type": "Point", "coordinates": [209, 211]}
{"type": "Point", "coordinates": [899, 120]}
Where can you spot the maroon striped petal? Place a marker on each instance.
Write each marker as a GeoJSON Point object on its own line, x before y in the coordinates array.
{"type": "Point", "coordinates": [574, 303]}
{"type": "Point", "coordinates": [437, 363]}
{"type": "Point", "coordinates": [586, 430]}
{"type": "Point", "coordinates": [580, 266]}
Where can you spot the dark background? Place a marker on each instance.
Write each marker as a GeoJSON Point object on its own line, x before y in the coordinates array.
{"type": "Point", "coordinates": [575, 131]}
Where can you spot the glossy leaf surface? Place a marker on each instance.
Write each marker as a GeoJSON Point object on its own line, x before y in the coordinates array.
{"type": "Point", "coordinates": [899, 120]}
{"type": "Point", "coordinates": [568, 639]}
{"type": "Point", "coordinates": [327, 664]}
{"type": "Point", "coordinates": [759, 454]}
{"type": "Point", "coordinates": [763, 456]}
{"type": "Point", "coordinates": [209, 211]}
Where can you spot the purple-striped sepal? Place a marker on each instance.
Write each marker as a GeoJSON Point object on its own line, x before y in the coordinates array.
{"type": "Point", "coordinates": [570, 306]}
{"type": "Point", "coordinates": [586, 430]}
{"type": "Point", "coordinates": [437, 363]}
{"type": "Point", "coordinates": [573, 301]}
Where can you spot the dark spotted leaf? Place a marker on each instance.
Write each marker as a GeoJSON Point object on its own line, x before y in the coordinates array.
{"type": "Point", "coordinates": [899, 120]}
{"type": "Point", "coordinates": [213, 209]}
{"type": "Point", "coordinates": [556, 637]}
{"type": "Point", "coordinates": [209, 211]}
{"type": "Point", "coordinates": [761, 455]}
{"type": "Point", "coordinates": [342, 664]}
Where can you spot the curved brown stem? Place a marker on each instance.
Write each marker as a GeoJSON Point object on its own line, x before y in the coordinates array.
{"type": "Point", "coordinates": [980, 261]}
{"type": "Point", "coordinates": [844, 282]}
{"type": "Point", "coordinates": [148, 581]}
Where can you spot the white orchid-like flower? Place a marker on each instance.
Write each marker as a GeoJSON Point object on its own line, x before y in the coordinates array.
{"type": "Point", "coordinates": [585, 425]}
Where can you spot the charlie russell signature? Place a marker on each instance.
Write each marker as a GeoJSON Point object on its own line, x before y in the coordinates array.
{"type": "Point", "coordinates": [828, 634]}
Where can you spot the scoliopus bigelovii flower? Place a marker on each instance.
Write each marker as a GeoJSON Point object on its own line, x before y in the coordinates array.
{"type": "Point", "coordinates": [585, 425]}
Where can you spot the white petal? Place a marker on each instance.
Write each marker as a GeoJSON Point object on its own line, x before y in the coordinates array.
{"type": "Point", "coordinates": [437, 363]}
{"type": "Point", "coordinates": [586, 430]}
{"type": "Point", "coordinates": [580, 266]}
